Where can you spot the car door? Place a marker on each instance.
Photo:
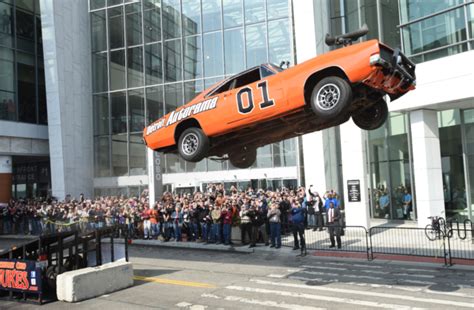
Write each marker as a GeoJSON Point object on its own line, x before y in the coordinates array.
{"type": "Point", "coordinates": [257, 95]}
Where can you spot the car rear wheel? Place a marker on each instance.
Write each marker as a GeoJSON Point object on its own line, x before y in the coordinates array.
{"type": "Point", "coordinates": [330, 97]}
{"type": "Point", "coordinates": [244, 158]}
{"type": "Point", "coordinates": [373, 117]}
{"type": "Point", "coordinates": [193, 144]}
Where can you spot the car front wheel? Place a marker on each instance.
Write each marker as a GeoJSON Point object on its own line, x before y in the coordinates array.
{"type": "Point", "coordinates": [330, 97]}
{"type": "Point", "coordinates": [193, 144]}
{"type": "Point", "coordinates": [373, 117]}
{"type": "Point", "coordinates": [244, 158]}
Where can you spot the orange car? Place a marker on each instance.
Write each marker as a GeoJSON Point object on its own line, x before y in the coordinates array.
{"type": "Point", "coordinates": [266, 104]}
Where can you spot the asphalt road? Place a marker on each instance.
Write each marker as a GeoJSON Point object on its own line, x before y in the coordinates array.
{"type": "Point", "coordinates": [191, 279]}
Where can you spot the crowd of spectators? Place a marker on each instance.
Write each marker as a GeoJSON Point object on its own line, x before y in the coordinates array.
{"type": "Point", "coordinates": [208, 216]}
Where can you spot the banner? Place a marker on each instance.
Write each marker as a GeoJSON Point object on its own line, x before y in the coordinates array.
{"type": "Point", "coordinates": [20, 276]}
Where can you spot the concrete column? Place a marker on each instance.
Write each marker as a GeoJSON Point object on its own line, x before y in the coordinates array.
{"type": "Point", "coordinates": [354, 168]}
{"type": "Point", "coordinates": [155, 177]}
{"type": "Point", "coordinates": [313, 156]}
{"type": "Point", "coordinates": [67, 61]}
{"type": "Point", "coordinates": [427, 165]}
{"type": "Point", "coordinates": [6, 169]}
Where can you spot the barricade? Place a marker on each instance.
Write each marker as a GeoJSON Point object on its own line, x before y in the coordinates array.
{"type": "Point", "coordinates": [353, 239]}
{"type": "Point", "coordinates": [409, 241]}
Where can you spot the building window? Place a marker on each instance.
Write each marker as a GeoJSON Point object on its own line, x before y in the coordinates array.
{"type": "Point", "coordinates": [151, 56]}
{"type": "Point", "coordinates": [390, 170]}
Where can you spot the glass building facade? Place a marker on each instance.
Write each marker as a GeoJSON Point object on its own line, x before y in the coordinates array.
{"type": "Point", "coordinates": [425, 30]}
{"type": "Point", "coordinates": [151, 56]}
{"type": "Point", "coordinates": [434, 29]}
{"type": "Point", "coordinates": [22, 82]}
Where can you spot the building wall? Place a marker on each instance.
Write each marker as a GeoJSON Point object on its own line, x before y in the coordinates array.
{"type": "Point", "coordinates": [66, 37]}
{"type": "Point", "coordinates": [149, 57]}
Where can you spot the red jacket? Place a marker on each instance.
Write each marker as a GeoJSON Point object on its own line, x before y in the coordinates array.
{"type": "Point", "coordinates": [227, 217]}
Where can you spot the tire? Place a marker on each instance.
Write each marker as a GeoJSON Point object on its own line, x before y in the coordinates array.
{"type": "Point", "coordinates": [243, 159]}
{"type": "Point", "coordinates": [373, 117]}
{"type": "Point", "coordinates": [193, 144]}
{"type": "Point", "coordinates": [430, 232]}
{"type": "Point", "coordinates": [330, 97]}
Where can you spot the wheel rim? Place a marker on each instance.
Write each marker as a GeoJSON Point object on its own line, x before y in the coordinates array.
{"type": "Point", "coordinates": [190, 144]}
{"type": "Point", "coordinates": [328, 96]}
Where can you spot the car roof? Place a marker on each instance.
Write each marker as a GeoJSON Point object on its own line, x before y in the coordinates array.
{"type": "Point", "coordinates": [208, 92]}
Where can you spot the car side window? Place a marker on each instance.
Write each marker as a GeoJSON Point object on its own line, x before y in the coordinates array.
{"type": "Point", "coordinates": [248, 78]}
{"type": "Point", "coordinates": [223, 88]}
{"type": "Point", "coordinates": [264, 72]}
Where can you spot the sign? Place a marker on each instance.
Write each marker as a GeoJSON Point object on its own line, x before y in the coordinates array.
{"type": "Point", "coordinates": [20, 276]}
{"type": "Point", "coordinates": [353, 190]}
{"type": "Point", "coordinates": [155, 177]}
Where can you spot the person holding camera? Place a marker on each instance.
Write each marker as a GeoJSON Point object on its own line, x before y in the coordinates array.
{"type": "Point", "coordinates": [297, 226]}
{"type": "Point", "coordinates": [275, 226]}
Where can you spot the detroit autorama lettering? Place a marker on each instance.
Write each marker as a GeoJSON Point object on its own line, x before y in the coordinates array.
{"type": "Point", "coordinates": [176, 116]}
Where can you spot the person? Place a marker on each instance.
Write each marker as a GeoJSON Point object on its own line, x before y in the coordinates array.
{"type": "Point", "coordinates": [407, 208]}
{"type": "Point", "coordinates": [384, 203]}
{"type": "Point", "coordinates": [227, 223]}
{"type": "Point", "coordinates": [331, 196]}
{"type": "Point", "coordinates": [275, 226]}
{"type": "Point", "coordinates": [216, 220]}
{"type": "Point", "coordinates": [297, 227]}
{"type": "Point", "coordinates": [320, 210]}
{"type": "Point", "coordinates": [177, 220]}
{"type": "Point", "coordinates": [284, 209]}
{"type": "Point", "coordinates": [146, 224]}
{"type": "Point", "coordinates": [310, 205]}
{"type": "Point", "coordinates": [334, 227]}
{"type": "Point", "coordinates": [245, 225]}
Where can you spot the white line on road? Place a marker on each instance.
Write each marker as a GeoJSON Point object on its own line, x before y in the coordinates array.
{"type": "Point", "coordinates": [323, 267]}
{"type": "Point", "coordinates": [364, 293]}
{"type": "Point", "coordinates": [190, 306]}
{"type": "Point", "coordinates": [353, 265]}
{"type": "Point", "coordinates": [266, 303]}
{"type": "Point", "coordinates": [387, 286]}
{"type": "Point", "coordinates": [318, 297]}
{"type": "Point", "coordinates": [340, 275]}
{"type": "Point", "coordinates": [278, 276]}
{"type": "Point", "coordinates": [371, 271]}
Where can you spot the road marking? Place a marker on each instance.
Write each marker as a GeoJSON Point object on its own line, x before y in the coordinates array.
{"type": "Point", "coordinates": [325, 268]}
{"type": "Point", "coordinates": [364, 293]}
{"type": "Point", "coordinates": [266, 303]}
{"type": "Point", "coordinates": [190, 306]}
{"type": "Point", "coordinates": [399, 287]}
{"type": "Point", "coordinates": [319, 297]}
{"type": "Point", "coordinates": [183, 304]}
{"type": "Point", "coordinates": [372, 271]}
{"type": "Point", "coordinates": [174, 282]}
{"type": "Point", "coordinates": [340, 275]}
{"type": "Point", "coordinates": [278, 276]}
{"type": "Point", "coordinates": [349, 265]}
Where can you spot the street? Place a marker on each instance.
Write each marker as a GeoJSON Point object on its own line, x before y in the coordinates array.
{"type": "Point", "coordinates": [270, 279]}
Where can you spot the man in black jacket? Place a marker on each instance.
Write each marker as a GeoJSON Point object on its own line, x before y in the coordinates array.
{"type": "Point", "coordinates": [284, 207]}
{"type": "Point", "coordinates": [334, 227]}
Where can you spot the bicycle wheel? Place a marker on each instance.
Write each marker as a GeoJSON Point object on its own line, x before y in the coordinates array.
{"type": "Point", "coordinates": [430, 232]}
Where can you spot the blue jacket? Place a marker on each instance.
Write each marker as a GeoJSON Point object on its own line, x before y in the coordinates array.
{"type": "Point", "coordinates": [297, 215]}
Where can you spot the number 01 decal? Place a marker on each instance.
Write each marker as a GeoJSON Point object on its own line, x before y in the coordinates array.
{"type": "Point", "coordinates": [266, 103]}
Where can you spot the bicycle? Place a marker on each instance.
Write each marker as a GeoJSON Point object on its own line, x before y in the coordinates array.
{"type": "Point", "coordinates": [437, 229]}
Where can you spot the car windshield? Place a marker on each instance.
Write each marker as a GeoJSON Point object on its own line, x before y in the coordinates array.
{"type": "Point", "coordinates": [275, 67]}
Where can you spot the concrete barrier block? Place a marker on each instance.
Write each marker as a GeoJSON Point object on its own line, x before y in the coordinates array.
{"type": "Point", "coordinates": [77, 285]}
